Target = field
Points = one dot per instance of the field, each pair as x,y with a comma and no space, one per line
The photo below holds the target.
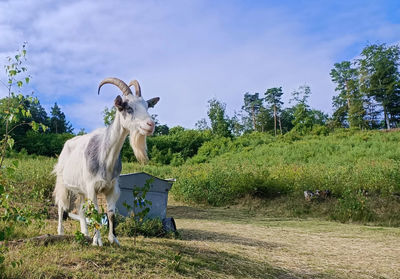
224,243
240,212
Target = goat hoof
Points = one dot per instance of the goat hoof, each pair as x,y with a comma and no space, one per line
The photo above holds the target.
113,240
97,242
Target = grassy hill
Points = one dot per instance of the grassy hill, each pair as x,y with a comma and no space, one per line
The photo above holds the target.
261,223
360,168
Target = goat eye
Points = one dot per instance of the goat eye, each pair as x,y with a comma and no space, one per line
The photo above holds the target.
129,110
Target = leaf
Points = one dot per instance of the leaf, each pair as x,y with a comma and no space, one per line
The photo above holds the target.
10,142
35,126
27,80
2,237
44,127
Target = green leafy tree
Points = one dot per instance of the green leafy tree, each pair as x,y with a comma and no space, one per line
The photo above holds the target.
252,105
108,115
237,125
58,123
349,103
81,132
273,98
37,114
287,117
380,78
302,120
202,125
10,116
159,129
13,107
220,123
265,120
372,114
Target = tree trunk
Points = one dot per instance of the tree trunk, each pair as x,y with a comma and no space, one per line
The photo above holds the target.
384,108
280,125
387,121
348,103
275,120
254,117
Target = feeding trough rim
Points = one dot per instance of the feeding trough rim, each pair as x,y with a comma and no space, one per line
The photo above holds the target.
169,180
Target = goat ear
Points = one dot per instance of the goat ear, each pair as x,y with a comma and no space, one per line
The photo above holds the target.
152,102
118,103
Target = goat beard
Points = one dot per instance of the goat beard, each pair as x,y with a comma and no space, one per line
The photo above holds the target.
139,146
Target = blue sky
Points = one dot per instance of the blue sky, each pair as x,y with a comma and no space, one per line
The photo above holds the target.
187,52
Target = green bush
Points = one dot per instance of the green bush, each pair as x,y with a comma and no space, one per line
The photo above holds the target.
221,145
45,144
148,228
218,183
353,206
348,159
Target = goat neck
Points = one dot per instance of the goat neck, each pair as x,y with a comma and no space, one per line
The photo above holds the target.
114,140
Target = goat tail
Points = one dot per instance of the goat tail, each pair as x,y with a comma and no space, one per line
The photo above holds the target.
61,194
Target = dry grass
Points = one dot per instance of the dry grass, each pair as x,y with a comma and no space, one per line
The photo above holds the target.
224,243
304,248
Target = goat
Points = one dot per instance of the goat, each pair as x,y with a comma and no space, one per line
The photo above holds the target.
91,164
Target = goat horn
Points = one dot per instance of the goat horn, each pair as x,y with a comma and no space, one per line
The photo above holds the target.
137,87
117,82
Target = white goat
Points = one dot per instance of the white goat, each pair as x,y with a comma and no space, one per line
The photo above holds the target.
91,163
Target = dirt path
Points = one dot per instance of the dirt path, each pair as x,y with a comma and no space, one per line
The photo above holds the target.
299,248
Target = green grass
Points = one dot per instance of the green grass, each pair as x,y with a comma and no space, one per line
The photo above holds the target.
262,167
221,243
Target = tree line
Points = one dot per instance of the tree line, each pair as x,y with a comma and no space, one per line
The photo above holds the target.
368,97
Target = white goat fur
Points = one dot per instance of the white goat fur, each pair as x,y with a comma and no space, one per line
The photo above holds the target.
91,164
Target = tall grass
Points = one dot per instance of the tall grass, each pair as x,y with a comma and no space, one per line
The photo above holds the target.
346,162
262,166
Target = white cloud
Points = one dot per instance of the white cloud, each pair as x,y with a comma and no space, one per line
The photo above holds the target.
186,52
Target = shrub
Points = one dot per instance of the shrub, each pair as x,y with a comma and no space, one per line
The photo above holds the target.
149,228
45,144
219,183
353,206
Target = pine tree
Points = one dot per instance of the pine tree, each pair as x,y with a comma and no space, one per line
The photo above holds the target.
58,123
252,105
273,98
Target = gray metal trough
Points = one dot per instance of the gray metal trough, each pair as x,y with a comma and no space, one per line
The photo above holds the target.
158,195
